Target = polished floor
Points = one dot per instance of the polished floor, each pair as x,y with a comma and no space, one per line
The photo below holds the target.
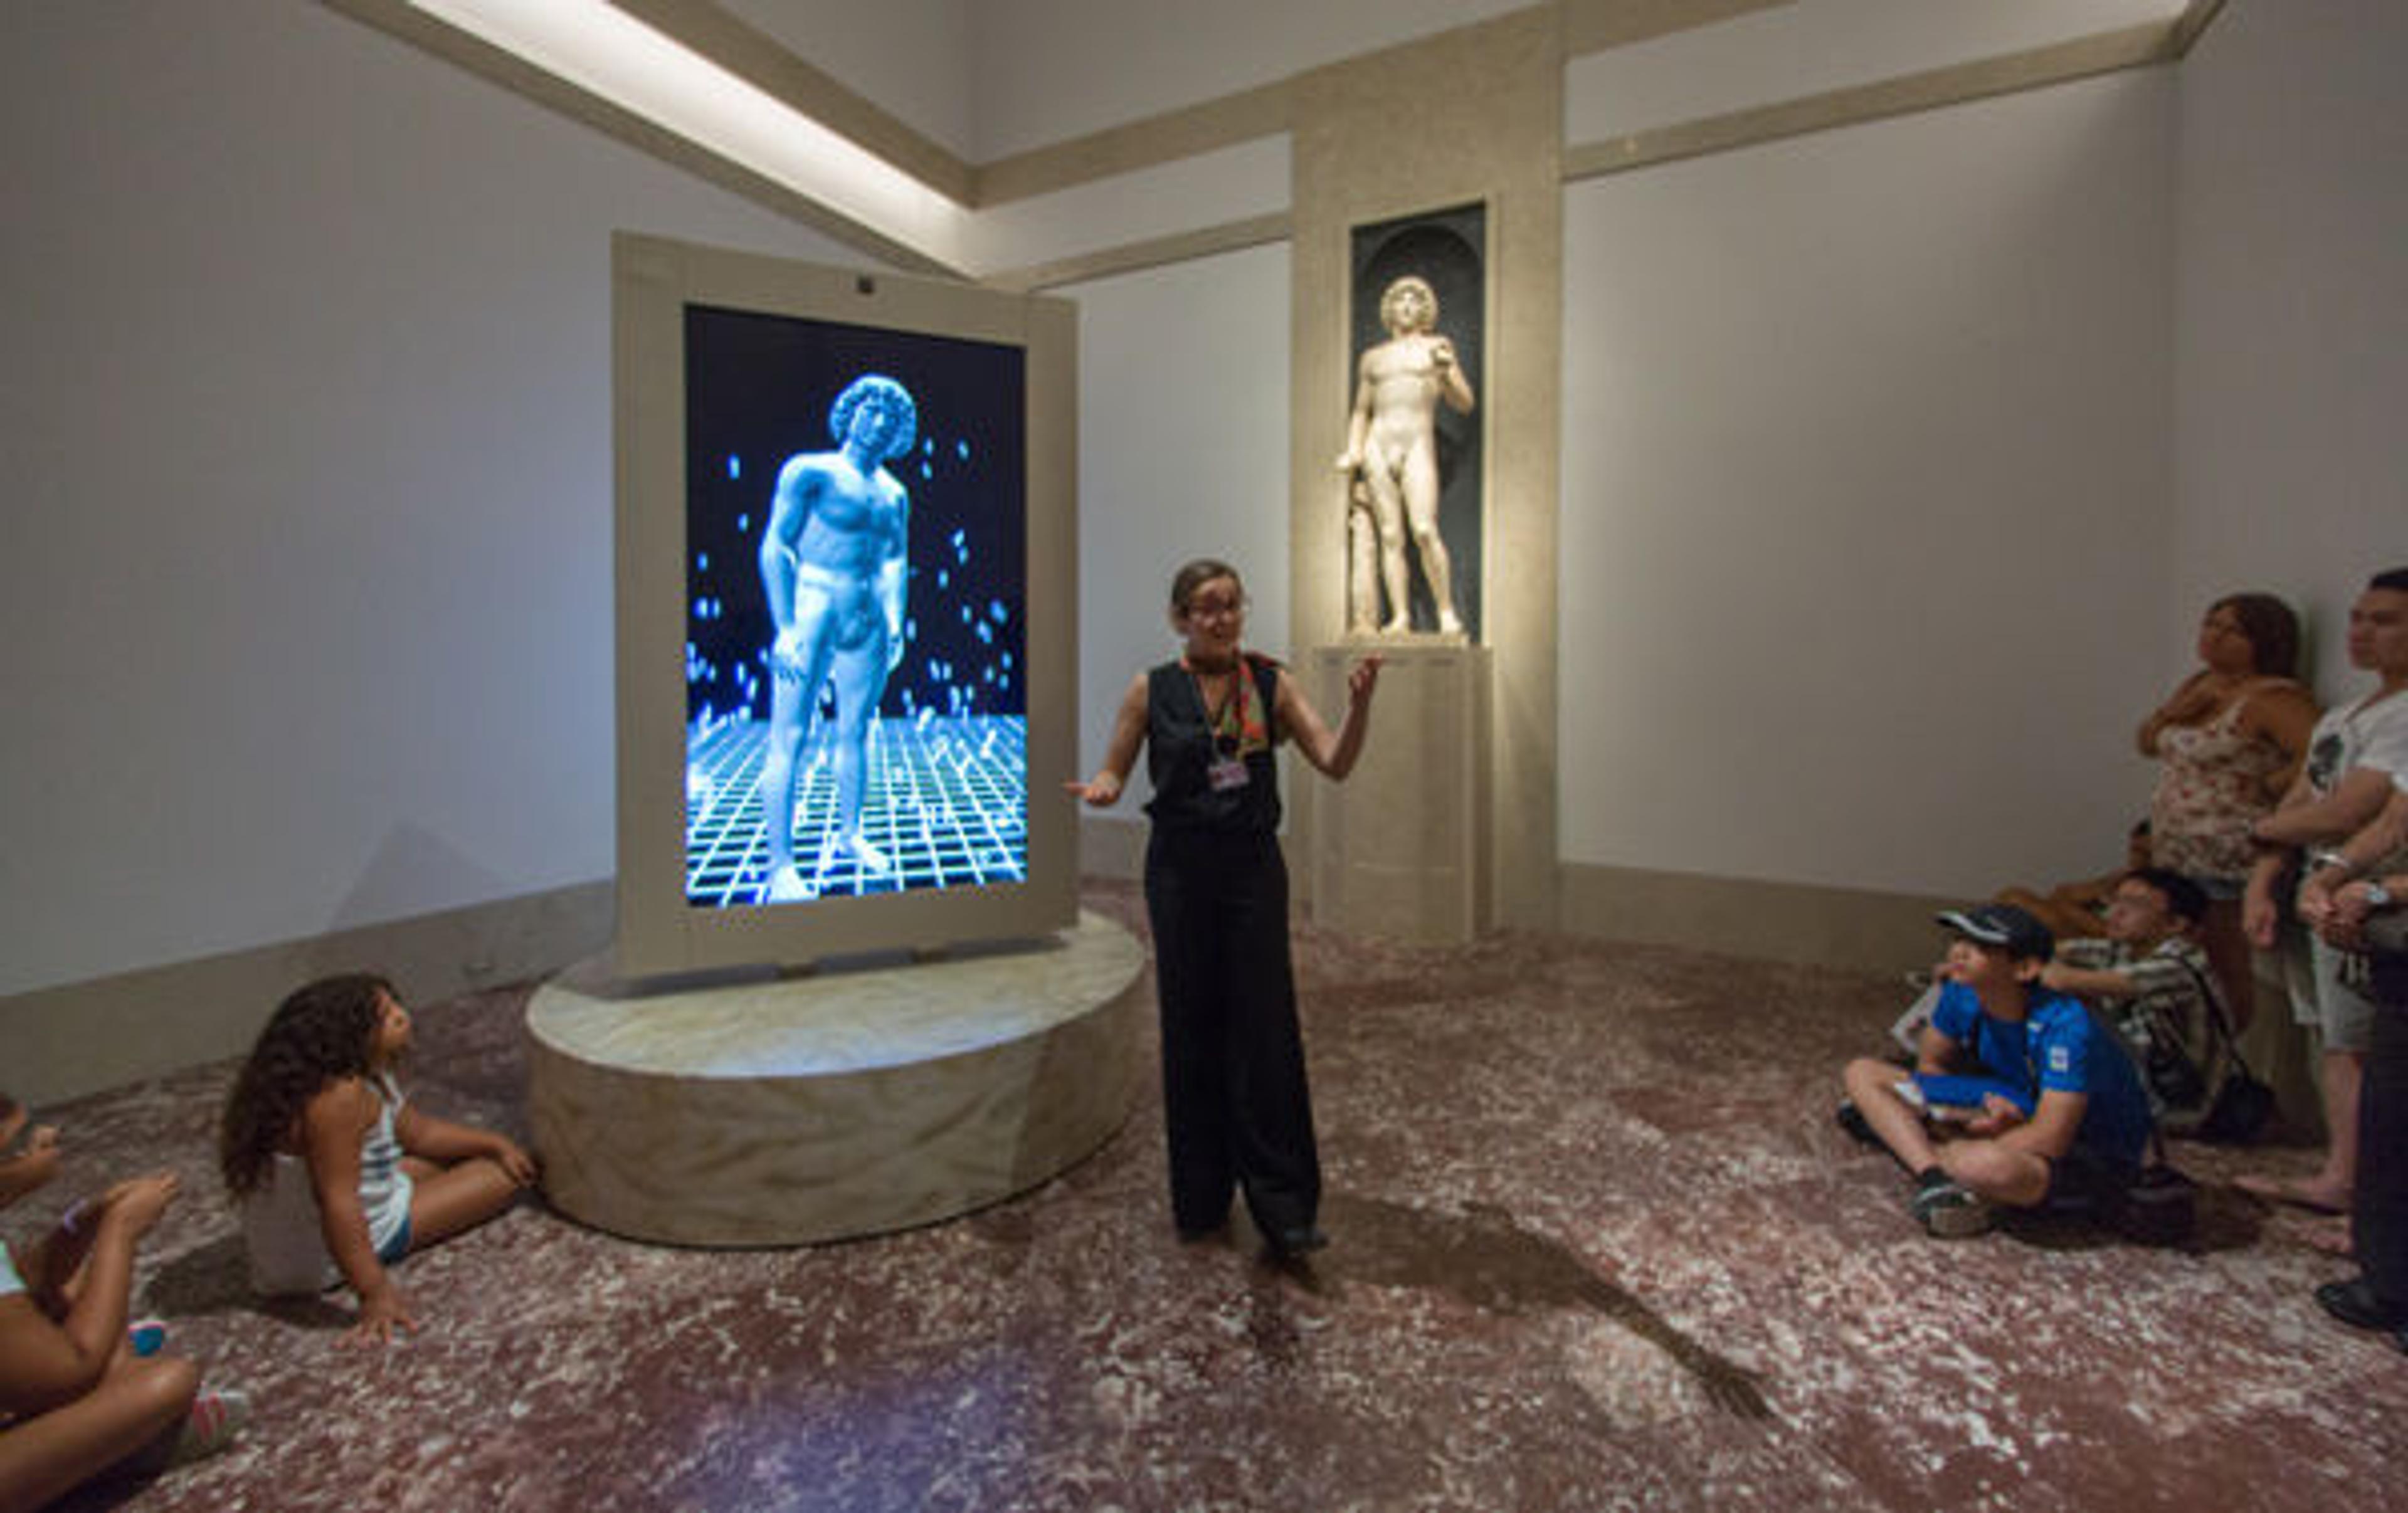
1597,1244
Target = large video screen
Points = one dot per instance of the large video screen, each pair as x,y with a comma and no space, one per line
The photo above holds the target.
847,638
856,663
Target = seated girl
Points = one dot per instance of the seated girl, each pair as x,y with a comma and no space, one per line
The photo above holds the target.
337,1174
78,1396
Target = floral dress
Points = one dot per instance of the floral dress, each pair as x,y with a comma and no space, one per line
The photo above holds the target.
2211,786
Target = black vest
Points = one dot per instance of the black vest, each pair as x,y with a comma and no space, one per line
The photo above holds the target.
1179,755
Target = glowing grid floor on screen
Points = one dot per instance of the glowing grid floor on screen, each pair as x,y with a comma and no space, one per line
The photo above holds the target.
946,801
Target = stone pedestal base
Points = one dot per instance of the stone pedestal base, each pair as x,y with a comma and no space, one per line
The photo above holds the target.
784,1112
1400,848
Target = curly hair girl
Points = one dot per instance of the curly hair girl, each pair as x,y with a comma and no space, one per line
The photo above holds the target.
338,1175
321,1033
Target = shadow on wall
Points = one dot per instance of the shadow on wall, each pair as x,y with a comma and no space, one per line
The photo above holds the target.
415,871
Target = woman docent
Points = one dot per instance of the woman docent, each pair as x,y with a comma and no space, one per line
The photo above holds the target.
1236,1105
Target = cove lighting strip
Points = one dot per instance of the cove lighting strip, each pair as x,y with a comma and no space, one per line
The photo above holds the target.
607,53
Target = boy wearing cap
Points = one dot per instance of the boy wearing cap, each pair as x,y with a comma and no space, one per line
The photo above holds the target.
2063,1121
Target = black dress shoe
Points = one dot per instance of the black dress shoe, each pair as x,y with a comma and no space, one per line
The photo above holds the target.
1302,1240
2354,1303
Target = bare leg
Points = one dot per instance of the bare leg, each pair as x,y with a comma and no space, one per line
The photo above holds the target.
2344,1074
860,680
793,699
1420,507
2331,1185
139,1405
1872,1088
1997,1172
787,715
457,1199
1390,514
2228,954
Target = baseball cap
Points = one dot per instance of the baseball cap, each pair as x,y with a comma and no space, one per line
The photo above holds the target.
2006,926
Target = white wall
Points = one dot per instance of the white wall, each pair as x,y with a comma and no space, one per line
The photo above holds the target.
305,615
1053,69
2292,309
917,59
1183,453
1191,193
1866,492
1806,47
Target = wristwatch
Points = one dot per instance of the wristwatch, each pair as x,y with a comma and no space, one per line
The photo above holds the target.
2378,896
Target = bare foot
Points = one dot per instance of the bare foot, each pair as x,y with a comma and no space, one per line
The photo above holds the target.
2309,1193
2330,1237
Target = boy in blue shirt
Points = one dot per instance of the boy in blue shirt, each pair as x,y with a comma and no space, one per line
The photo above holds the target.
2051,1111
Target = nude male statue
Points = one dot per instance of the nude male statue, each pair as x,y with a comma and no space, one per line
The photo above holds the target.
832,563
1392,455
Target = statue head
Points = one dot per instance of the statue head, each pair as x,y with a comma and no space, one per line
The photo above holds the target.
1408,304
890,401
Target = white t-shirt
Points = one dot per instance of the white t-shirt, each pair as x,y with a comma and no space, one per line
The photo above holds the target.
2371,732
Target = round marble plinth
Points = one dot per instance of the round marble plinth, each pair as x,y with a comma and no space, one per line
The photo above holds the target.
788,1111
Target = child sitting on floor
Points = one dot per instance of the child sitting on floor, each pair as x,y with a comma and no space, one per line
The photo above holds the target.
2147,972
337,1176
79,1393
2049,1113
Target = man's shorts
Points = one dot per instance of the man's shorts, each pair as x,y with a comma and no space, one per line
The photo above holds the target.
2342,1015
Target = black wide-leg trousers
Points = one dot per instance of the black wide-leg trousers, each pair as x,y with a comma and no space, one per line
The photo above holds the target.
2379,1207
1235,1102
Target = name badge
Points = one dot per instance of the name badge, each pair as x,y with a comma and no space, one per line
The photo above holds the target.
1228,773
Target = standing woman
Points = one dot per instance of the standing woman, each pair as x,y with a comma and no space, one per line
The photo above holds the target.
2229,741
1238,1112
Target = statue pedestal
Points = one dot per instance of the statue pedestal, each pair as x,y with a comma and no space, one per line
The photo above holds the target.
1400,848
789,1111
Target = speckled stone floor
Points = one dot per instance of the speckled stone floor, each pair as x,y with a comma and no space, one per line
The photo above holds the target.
1597,1244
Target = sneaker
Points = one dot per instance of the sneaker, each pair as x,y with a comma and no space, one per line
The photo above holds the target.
215,1418
1948,1210
1861,1129
146,1336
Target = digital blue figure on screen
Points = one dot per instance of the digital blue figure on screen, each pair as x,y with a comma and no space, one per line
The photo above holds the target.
834,566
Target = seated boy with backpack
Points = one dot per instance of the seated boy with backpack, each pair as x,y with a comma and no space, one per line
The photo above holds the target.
2151,978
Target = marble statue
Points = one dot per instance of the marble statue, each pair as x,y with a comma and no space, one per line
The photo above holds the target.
1391,463
832,566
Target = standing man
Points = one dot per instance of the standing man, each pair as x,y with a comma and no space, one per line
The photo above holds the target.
2369,914
1391,445
2341,787
832,566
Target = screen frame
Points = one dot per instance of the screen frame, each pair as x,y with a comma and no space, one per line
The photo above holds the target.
653,281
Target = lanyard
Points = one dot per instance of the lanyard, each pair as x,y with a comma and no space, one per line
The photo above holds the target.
1230,723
